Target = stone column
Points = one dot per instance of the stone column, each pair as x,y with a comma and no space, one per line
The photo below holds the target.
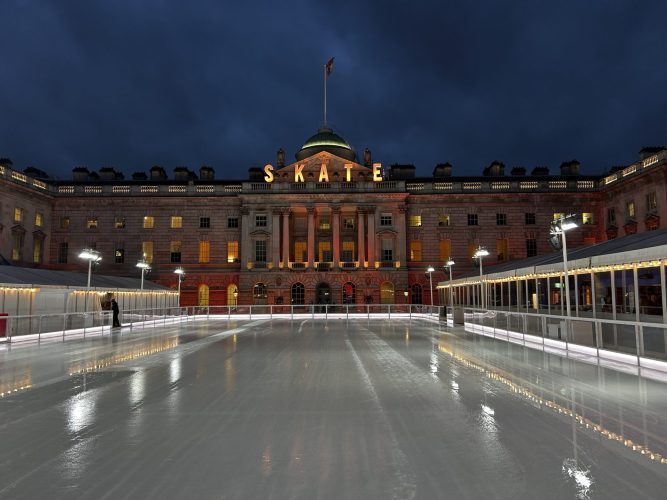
286,238
371,238
335,215
361,248
245,252
275,237
311,236
401,249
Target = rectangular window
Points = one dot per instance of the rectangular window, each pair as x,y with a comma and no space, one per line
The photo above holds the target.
91,223
232,251
651,202
415,221
631,209
325,223
347,253
119,255
39,219
611,216
17,245
63,249
232,222
37,250
300,251
387,250
502,249
204,222
348,223
260,220
260,250
443,220
18,215
558,216
501,219
531,248
587,218
147,251
64,222
445,247
204,251
176,222
416,251
149,222
530,218
119,223
472,219
385,219
324,251
175,251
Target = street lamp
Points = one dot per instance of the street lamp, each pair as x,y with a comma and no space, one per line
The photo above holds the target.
91,256
180,272
480,253
559,227
430,270
236,294
450,262
145,267
405,294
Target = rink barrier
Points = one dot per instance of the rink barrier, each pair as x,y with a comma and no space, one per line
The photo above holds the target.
642,344
62,326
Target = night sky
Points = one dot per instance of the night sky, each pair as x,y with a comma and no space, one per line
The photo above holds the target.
137,83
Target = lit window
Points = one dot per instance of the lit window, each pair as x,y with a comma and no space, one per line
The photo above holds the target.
587,218
347,253
631,209
472,219
176,222
443,220
324,251
147,251
445,250
232,251
64,222
119,255
300,251
348,223
416,251
558,216
18,215
502,249
175,250
415,221
149,222
204,222
204,251
119,223
501,219
232,222
202,295
91,223
39,219
530,218
260,220
385,220
325,223
17,245
37,250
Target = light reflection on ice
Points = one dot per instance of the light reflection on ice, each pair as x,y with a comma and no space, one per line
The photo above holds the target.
81,411
581,477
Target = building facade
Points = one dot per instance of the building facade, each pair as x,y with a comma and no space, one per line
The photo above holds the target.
327,228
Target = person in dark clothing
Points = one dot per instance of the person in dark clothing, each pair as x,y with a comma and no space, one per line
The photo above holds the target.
114,308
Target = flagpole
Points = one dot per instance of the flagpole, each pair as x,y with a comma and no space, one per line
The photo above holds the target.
325,95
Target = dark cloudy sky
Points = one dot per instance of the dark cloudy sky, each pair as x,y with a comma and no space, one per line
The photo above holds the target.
135,83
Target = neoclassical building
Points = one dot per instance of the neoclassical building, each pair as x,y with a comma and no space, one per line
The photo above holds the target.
326,228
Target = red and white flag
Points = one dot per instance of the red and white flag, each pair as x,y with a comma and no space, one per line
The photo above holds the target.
329,66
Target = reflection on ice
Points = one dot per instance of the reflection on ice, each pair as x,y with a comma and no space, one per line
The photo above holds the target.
488,410
81,410
581,477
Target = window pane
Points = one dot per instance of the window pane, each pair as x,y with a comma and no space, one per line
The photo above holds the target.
232,251
148,222
176,222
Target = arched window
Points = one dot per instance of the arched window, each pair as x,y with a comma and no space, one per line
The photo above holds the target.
349,293
387,293
417,294
259,295
232,295
202,295
298,294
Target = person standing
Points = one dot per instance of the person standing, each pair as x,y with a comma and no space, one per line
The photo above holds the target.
114,308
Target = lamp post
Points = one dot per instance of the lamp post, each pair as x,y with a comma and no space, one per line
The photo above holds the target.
480,253
450,262
144,266
236,294
559,227
405,294
91,256
430,270
180,273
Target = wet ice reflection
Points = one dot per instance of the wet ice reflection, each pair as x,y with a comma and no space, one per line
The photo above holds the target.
580,476
81,410
175,369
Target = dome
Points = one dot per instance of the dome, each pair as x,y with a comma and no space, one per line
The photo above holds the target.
326,140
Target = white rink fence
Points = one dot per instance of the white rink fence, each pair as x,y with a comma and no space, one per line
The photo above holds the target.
632,343
63,326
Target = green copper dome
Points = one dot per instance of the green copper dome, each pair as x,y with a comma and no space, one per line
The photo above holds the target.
326,140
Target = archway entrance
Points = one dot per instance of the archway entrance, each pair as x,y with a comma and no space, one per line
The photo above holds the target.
349,293
323,294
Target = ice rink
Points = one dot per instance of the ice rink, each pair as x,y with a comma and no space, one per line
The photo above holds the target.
315,409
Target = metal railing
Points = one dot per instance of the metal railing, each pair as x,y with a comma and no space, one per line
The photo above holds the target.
640,343
62,326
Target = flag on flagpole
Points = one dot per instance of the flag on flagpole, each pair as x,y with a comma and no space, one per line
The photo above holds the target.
329,66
